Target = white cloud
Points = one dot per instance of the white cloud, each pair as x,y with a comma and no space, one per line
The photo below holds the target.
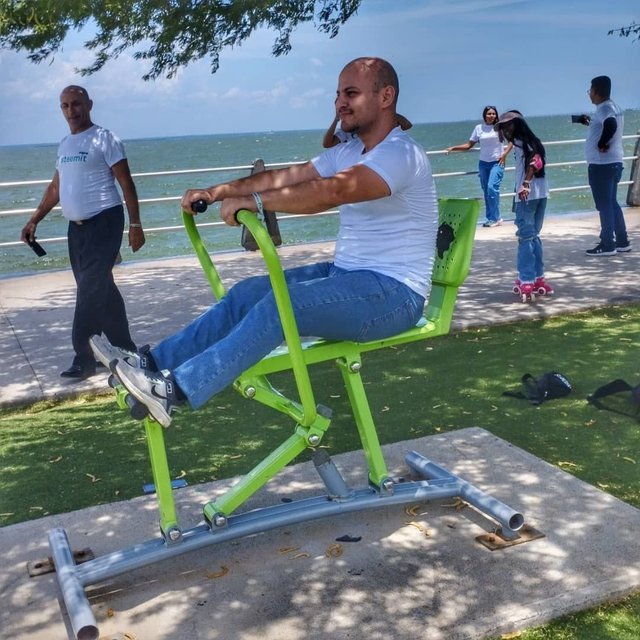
232,94
310,98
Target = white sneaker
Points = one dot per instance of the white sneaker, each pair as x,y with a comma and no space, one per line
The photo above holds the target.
106,353
157,391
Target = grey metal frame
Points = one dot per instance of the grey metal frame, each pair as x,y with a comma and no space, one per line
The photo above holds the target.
437,484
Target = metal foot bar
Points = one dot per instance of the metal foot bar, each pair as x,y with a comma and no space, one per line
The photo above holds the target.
83,622
441,484
510,520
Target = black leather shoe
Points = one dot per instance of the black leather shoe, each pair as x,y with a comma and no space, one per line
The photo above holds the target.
77,372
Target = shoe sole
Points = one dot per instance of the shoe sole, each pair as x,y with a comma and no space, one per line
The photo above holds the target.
106,353
102,350
623,249
602,254
79,377
127,376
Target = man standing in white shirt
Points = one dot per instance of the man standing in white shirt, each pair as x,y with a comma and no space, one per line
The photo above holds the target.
603,150
90,160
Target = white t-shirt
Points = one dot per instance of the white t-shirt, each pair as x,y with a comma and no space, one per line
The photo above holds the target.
490,146
604,110
539,186
395,235
87,183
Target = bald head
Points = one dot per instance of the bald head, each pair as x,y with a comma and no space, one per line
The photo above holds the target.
77,90
380,71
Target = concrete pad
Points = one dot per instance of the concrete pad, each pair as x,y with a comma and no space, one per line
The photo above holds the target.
396,582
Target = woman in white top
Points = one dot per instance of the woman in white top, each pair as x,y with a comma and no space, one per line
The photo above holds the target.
491,165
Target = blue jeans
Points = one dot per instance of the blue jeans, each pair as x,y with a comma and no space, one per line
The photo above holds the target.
529,220
490,174
243,327
603,180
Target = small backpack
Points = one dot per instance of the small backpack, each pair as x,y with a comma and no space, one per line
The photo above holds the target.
548,387
614,387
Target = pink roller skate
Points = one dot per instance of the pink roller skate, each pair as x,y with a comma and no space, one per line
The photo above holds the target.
542,287
516,286
525,290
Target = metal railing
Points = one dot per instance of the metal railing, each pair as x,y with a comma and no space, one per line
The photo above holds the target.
246,168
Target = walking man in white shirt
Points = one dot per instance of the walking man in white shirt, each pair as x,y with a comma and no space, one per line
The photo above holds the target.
90,160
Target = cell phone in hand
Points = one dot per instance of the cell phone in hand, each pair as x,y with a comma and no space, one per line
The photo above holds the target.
577,119
37,248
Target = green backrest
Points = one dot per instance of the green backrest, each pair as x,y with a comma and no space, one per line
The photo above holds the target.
458,218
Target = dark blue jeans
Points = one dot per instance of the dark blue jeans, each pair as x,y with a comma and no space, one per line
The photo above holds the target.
603,180
244,326
93,247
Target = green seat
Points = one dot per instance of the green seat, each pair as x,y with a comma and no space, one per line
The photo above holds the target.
457,224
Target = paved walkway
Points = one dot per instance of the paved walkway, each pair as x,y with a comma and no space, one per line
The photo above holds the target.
161,296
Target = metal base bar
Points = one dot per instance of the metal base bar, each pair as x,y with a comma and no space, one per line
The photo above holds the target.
438,484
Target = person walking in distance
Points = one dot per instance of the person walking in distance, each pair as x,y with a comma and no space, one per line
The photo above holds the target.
375,286
89,162
603,151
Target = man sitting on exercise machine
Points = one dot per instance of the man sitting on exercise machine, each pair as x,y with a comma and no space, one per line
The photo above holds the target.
376,286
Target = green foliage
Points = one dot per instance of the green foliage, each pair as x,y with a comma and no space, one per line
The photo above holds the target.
625,32
168,33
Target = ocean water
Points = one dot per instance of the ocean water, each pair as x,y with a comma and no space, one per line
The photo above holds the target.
37,162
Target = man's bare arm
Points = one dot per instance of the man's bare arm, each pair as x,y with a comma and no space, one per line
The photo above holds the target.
122,174
356,184
49,200
273,179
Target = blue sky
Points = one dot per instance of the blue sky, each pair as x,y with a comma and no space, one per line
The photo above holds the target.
453,57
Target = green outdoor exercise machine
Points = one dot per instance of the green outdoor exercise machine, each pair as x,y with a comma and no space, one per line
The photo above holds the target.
223,522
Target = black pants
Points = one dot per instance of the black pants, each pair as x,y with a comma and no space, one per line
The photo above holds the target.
93,247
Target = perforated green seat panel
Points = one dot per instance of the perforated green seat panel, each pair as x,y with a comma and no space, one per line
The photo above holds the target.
457,227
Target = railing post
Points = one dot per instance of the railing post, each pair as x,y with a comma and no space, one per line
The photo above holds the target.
633,194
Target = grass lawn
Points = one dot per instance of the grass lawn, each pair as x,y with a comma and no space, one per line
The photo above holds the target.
57,458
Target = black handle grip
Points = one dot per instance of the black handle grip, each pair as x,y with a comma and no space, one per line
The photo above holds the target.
199,206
